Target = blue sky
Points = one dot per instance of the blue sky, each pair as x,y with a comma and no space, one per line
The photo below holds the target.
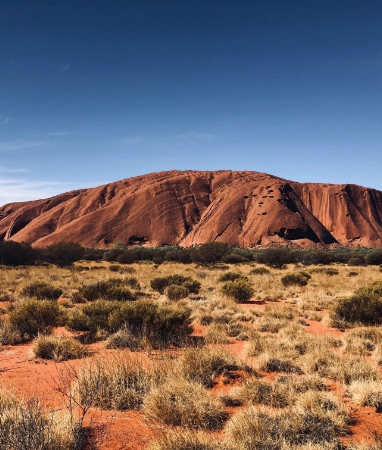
97,91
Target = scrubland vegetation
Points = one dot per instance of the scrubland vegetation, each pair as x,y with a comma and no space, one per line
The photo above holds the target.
212,348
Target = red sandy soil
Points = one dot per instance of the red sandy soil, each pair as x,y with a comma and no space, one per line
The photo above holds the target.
193,207
131,430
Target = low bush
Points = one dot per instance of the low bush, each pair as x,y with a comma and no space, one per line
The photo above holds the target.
260,271
361,307
17,254
154,324
159,284
234,258
113,289
211,252
232,276
295,279
374,258
240,290
32,317
175,292
41,290
58,348
276,257
63,253
356,261
92,317
330,271
179,402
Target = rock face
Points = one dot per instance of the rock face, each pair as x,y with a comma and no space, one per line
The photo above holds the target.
192,207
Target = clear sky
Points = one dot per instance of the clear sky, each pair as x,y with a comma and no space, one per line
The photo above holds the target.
93,91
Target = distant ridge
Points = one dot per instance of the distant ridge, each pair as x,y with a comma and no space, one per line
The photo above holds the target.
243,209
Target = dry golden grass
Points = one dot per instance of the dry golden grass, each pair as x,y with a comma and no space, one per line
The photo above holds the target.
287,405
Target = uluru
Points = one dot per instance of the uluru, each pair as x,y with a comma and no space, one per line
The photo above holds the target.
186,208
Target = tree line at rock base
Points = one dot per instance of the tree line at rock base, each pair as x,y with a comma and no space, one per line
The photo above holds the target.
66,253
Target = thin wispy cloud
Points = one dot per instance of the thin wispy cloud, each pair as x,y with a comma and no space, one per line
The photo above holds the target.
12,170
64,67
196,135
20,144
59,133
14,189
132,140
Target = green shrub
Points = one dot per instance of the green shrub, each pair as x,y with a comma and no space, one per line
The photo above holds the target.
325,270
210,252
63,253
234,258
153,324
232,276
276,257
260,271
58,348
361,307
175,292
182,256
41,290
35,316
92,317
356,261
374,258
113,289
240,290
159,284
17,254
295,279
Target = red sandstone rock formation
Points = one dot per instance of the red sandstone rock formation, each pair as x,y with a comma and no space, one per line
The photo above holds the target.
192,207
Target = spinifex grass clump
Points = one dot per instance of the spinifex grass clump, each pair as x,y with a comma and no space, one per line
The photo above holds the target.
118,382
59,348
42,291
204,365
181,402
25,425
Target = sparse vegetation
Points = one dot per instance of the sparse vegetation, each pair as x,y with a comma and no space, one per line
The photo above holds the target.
185,361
